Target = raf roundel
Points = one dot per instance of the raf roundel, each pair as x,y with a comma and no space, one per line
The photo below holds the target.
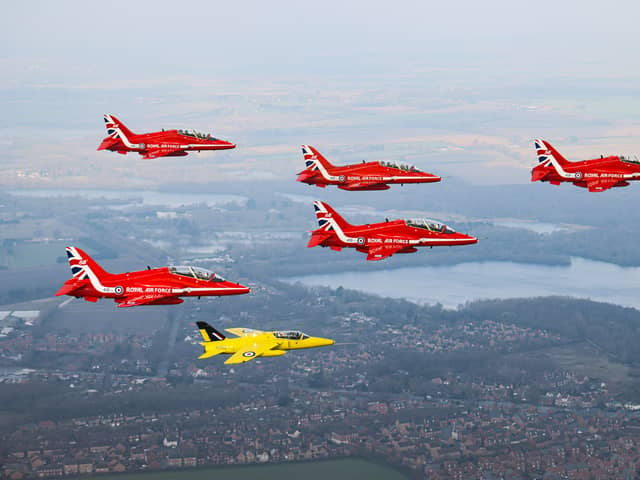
361,240
249,354
578,175
342,178
118,290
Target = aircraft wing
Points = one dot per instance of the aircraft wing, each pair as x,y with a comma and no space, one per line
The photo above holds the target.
602,184
249,352
162,152
381,252
241,332
365,186
149,299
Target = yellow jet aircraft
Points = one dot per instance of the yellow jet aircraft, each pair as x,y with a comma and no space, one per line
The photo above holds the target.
249,344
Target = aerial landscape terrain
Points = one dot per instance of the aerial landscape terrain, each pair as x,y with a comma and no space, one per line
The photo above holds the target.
515,358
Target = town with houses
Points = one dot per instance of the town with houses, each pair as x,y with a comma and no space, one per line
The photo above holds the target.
348,401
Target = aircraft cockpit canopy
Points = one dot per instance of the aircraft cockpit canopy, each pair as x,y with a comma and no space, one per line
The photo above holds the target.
195,134
196,272
430,225
629,158
405,167
290,335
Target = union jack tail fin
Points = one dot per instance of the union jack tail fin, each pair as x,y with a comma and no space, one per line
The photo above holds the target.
209,334
328,218
547,154
117,129
313,159
83,267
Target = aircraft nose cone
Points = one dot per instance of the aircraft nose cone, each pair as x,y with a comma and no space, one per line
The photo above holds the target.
326,341
237,289
467,239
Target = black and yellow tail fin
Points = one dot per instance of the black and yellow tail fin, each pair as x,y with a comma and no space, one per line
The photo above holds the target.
209,334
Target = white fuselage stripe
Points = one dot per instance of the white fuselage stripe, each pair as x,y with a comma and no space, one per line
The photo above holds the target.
95,282
191,290
347,239
336,178
136,146
324,172
124,139
564,174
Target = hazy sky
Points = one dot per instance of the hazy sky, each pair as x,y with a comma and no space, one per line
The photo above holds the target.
325,67
126,39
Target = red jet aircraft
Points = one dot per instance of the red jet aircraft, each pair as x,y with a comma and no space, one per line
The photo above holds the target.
158,286
359,176
167,143
381,240
596,175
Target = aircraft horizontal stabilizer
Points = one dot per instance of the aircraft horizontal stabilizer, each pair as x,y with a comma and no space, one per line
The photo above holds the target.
209,354
108,142
69,287
317,238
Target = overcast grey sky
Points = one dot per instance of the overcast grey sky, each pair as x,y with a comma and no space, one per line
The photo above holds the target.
126,39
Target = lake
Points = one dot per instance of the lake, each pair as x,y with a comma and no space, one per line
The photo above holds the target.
453,285
138,197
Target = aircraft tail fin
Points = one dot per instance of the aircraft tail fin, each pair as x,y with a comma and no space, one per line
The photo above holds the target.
83,267
117,129
547,154
313,159
328,218
209,334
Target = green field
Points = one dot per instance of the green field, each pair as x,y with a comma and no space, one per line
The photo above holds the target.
583,359
345,469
